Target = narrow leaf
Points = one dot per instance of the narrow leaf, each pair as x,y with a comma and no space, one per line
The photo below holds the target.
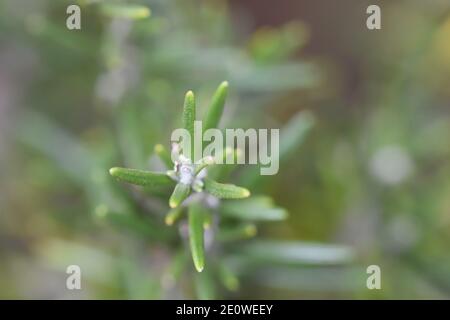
289,76
127,11
203,163
173,215
207,219
129,122
295,131
216,108
240,232
180,193
225,191
177,266
189,117
228,278
164,155
196,240
254,208
205,286
140,177
292,252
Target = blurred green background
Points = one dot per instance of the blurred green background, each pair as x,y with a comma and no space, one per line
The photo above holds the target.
367,184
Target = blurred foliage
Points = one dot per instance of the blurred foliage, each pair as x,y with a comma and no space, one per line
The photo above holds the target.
364,172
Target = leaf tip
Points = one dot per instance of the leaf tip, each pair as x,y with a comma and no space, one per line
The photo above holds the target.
159,148
190,95
172,203
169,221
146,13
114,171
199,267
251,230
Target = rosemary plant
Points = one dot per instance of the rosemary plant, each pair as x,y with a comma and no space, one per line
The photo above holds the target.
195,191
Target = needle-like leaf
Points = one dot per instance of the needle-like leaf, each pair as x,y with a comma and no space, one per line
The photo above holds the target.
203,163
196,216
164,155
141,177
228,278
216,108
225,191
244,231
189,117
254,208
173,215
177,266
295,131
180,193
205,286
127,11
207,219
295,252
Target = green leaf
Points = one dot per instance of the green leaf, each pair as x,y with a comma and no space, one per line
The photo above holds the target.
254,208
326,279
296,252
225,191
140,177
177,265
189,117
216,108
173,215
128,11
203,163
164,155
239,232
227,277
205,286
207,219
196,241
180,193
289,76
129,123
295,131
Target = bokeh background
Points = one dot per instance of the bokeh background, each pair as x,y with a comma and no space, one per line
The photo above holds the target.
365,118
